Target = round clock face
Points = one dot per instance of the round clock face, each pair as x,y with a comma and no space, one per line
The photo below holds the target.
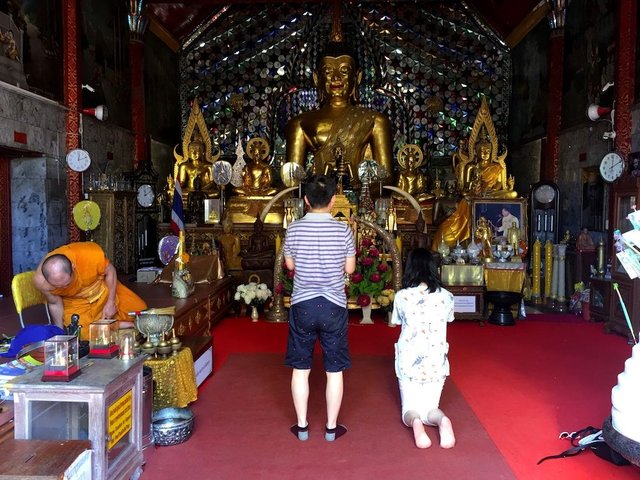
544,194
78,160
146,196
611,166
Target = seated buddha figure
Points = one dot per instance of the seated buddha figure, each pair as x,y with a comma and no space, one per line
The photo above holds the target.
411,179
259,255
195,166
339,120
256,175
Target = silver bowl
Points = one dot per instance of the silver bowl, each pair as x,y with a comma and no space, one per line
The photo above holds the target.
171,426
153,325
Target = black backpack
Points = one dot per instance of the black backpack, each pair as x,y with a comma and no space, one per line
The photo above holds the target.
591,438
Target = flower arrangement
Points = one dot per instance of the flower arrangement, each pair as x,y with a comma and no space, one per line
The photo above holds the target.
385,299
253,293
285,283
372,276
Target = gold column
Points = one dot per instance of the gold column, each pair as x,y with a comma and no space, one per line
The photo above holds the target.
537,269
548,268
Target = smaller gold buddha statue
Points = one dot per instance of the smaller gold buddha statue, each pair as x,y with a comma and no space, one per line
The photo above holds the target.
484,235
411,180
256,175
513,237
230,245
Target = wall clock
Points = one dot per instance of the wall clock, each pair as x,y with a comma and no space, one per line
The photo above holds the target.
145,196
611,166
78,160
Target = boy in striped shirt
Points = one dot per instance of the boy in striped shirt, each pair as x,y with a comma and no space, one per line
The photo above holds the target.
322,250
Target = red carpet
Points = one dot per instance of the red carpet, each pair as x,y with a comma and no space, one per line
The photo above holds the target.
242,421
525,384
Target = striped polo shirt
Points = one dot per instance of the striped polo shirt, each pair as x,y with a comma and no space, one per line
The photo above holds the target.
319,246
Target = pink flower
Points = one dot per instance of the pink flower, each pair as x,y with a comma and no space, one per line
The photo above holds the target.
291,274
375,277
356,277
383,267
388,286
374,252
367,261
279,288
364,300
366,242
358,252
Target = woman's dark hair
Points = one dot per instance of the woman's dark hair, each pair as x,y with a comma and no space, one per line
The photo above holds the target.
419,268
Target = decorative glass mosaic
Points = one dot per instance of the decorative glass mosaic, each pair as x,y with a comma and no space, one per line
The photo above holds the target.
424,64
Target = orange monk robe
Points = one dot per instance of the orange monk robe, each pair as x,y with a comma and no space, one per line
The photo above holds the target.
87,293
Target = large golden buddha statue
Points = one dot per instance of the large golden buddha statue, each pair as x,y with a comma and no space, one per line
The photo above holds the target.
483,173
196,160
256,175
339,121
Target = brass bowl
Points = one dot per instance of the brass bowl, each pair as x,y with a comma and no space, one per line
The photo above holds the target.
153,325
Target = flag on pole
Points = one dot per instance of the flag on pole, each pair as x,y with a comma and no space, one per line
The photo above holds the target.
177,214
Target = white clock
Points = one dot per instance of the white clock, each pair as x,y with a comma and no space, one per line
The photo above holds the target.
544,194
611,166
146,195
78,160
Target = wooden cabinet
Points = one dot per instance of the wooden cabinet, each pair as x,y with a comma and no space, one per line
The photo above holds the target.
116,231
625,196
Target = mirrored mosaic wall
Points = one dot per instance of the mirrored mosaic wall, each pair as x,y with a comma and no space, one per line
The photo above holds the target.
424,64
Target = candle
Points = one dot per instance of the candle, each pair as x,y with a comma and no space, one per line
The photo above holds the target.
548,268
278,243
537,267
399,245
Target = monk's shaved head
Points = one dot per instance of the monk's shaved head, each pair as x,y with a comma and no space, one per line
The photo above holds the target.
57,270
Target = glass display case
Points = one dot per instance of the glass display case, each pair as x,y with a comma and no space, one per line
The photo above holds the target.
103,339
103,405
61,358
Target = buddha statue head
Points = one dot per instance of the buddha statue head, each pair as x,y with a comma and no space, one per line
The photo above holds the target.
484,151
337,74
196,149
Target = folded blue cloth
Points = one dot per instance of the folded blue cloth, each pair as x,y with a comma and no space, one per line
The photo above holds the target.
31,334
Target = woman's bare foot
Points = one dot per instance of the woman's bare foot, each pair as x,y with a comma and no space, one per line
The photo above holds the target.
447,438
420,436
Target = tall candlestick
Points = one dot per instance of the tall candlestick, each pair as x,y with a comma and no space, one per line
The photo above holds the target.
399,245
548,268
537,268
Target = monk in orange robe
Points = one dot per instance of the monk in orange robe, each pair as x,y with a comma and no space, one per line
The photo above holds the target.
78,278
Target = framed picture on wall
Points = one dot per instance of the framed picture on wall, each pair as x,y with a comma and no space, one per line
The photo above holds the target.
501,214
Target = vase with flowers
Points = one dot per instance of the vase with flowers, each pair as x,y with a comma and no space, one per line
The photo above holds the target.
372,276
385,300
253,294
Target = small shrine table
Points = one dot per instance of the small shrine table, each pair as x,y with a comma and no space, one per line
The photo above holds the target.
504,282
175,380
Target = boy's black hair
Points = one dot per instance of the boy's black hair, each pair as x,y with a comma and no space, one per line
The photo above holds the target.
319,190
419,268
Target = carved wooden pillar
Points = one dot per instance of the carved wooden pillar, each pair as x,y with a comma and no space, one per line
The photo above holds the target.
136,60
137,26
72,100
6,256
625,74
554,105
